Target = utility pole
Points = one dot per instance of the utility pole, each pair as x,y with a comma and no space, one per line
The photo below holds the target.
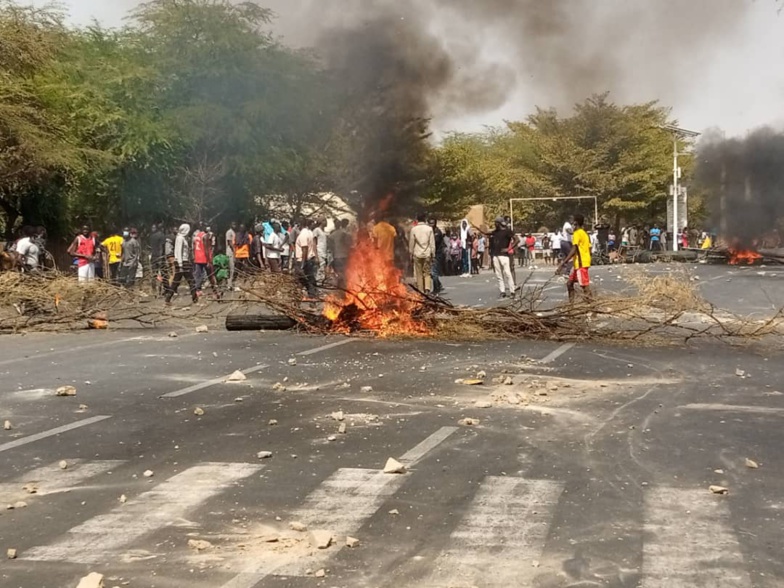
677,134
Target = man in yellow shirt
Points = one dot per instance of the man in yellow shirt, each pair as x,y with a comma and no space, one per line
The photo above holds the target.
384,236
581,255
113,246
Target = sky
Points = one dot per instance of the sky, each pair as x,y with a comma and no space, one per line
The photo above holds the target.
733,81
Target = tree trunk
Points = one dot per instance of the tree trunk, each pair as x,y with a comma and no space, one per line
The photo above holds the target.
259,322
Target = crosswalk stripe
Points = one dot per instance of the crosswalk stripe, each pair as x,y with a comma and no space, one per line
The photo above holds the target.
51,479
503,532
340,504
97,539
689,542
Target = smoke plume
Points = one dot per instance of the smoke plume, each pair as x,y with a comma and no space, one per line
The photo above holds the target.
744,179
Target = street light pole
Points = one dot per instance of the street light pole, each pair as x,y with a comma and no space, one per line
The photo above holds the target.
677,134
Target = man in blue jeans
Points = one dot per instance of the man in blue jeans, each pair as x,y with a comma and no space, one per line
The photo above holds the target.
440,257
656,238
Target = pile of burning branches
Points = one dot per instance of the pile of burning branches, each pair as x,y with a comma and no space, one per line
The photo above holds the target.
655,310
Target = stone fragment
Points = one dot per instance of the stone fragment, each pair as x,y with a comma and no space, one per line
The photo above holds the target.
273,422
123,499
338,416
320,573
508,381
198,411
83,407
173,335
751,464
320,539
393,466
719,490
63,464
542,392
470,382
740,373
342,428
202,329
332,438
199,544
91,580
8,426
468,422
30,488
297,526
394,512
483,404
293,361
264,454
20,504
366,389
278,387
481,375
352,542
237,376
11,554
149,474
65,391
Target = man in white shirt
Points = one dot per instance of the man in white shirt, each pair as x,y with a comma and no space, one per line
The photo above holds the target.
273,247
320,235
307,258
566,238
231,236
28,249
422,247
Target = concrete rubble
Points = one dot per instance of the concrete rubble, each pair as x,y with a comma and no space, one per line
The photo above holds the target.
65,391
63,464
198,411
320,539
352,542
11,554
199,544
7,425
393,466
237,376
297,526
91,580
202,329
719,490
264,454
751,464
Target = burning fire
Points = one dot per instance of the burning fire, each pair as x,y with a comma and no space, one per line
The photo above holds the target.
744,257
376,299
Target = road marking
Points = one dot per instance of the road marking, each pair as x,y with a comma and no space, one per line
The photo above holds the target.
51,479
341,504
503,533
98,539
557,353
52,432
690,542
325,347
735,408
210,383
68,350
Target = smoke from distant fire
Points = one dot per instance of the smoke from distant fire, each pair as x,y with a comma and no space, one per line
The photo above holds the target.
744,179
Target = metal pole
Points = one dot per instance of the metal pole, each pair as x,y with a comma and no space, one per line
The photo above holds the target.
511,213
675,191
595,211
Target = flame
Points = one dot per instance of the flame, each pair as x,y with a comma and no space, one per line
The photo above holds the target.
376,298
744,257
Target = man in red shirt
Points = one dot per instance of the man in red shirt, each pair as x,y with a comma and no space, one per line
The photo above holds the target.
530,249
83,249
202,260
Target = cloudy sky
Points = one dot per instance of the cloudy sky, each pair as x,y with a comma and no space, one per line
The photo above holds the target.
731,79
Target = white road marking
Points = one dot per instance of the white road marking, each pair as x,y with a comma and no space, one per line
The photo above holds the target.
51,479
325,347
52,432
98,539
689,541
557,353
503,533
38,356
340,504
735,408
210,383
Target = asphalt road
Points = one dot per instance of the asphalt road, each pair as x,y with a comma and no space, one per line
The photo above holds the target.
591,467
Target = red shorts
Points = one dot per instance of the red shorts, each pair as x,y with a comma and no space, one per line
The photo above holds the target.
580,276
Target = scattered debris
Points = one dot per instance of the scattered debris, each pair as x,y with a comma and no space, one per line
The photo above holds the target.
173,335
20,504
719,490
63,464
542,392
393,466
751,464
91,580
332,438
65,391
366,389
342,428
468,422
481,375
394,512
83,407
237,376
483,404
508,381
338,416
740,373
30,488
7,425
352,542
198,411
320,539
320,573
239,399
123,499
202,329
199,544
11,554
273,422
469,382
264,454
297,526
293,361
278,387
149,474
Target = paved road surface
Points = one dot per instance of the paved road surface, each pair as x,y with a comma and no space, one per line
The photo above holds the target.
603,481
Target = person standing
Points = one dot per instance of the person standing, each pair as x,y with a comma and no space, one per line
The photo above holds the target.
242,244
547,246
656,237
566,238
157,257
320,235
384,235
439,261
114,245
502,246
422,247
340,244
200,260
28,250
285,252
581,255
273,247
182,264
481,248
83,249
530,250
306,259
131,255
231,237
168,253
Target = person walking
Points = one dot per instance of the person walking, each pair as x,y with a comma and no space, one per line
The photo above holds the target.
231,238
183,265
340,244
502,246
422,248
273,247
157,258
83,249
131,256
439,260
307,259
201,270
581,255
322,246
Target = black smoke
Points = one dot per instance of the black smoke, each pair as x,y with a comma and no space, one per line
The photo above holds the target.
744,182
